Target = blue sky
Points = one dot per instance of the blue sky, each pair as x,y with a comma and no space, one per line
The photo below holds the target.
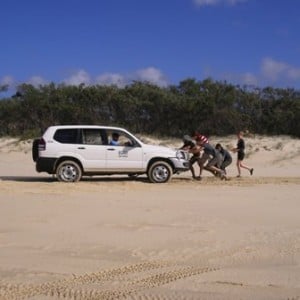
254,42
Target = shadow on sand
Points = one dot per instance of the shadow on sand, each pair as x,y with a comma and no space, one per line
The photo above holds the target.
83,179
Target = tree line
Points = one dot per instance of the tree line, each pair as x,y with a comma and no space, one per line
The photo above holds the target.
212,107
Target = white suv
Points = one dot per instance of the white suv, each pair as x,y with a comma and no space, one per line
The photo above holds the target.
71,152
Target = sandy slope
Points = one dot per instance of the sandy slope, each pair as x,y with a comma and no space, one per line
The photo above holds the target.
113,238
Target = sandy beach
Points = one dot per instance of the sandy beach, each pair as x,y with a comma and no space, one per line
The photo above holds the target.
117,238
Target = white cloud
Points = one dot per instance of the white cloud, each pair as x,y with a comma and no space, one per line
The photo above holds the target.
249,79
277,70
37,80
216,2
78,78
234,2
271,72
206,2
7,80
152,75
111,79
243,78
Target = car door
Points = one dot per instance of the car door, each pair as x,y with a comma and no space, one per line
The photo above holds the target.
92,150
126,155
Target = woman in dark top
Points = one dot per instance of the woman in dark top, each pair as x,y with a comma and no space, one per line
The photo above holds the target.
240,149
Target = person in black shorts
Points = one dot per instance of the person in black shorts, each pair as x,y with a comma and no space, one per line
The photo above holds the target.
210,155
226,157
240,150
190,146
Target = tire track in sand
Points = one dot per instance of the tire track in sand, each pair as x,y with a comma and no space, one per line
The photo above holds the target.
92,285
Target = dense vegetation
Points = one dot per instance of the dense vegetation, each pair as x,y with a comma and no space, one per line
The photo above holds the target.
214,108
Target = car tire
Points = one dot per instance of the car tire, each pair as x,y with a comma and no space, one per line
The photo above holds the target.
68,171
160,172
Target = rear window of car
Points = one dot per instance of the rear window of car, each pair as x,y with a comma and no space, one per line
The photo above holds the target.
66,136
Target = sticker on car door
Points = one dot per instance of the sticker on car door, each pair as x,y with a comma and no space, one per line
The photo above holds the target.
123,153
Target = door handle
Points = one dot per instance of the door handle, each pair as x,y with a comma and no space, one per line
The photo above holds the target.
81,148
111,149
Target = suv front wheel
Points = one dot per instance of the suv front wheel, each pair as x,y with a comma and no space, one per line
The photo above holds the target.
159,172
68,171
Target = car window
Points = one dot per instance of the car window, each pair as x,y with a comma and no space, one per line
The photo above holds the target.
94,137
120,138
66,136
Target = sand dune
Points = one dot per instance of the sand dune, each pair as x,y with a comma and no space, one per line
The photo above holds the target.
116,238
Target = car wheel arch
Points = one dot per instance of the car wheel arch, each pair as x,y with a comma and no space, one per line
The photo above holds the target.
64,158
155,159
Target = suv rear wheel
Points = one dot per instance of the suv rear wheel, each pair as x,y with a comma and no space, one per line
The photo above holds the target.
159,172
68,171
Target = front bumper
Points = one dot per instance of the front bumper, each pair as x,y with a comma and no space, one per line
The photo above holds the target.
180,165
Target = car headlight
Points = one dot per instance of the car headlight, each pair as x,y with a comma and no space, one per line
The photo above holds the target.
181,155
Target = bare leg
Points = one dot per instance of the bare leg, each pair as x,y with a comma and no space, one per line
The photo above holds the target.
241,165
213,172
217,170
193,172
202,161
201,166
238,167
